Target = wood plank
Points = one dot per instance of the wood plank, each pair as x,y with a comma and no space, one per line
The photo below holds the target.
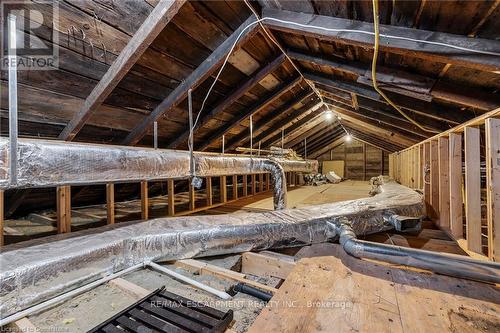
434,180
110,203
455,175
199,267
23,325
63,209
144,200
147,32
444,185
129,288
202,72
265,265
171,197
209,191
223,189
473,189
424,51
492,127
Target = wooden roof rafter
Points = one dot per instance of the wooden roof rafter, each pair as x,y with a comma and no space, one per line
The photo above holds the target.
159,17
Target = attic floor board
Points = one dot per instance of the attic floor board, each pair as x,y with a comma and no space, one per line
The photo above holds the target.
329,290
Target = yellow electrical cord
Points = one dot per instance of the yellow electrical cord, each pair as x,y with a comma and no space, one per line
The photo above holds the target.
374,71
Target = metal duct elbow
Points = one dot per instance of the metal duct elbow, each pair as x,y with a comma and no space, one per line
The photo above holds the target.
446,264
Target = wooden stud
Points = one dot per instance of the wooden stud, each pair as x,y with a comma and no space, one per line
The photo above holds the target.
473,189
144,200
261,182
63,209
223,189
171,197
191,194
444,185
426,175
492,127
235,187
455,175
434,179
110,203
2,207
245,185
268,181
253,188
209,191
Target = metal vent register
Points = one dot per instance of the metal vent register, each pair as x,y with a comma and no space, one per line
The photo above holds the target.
162,311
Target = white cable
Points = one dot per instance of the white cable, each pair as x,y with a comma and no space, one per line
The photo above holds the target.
259,20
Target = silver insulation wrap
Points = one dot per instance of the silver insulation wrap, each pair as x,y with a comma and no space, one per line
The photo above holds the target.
51,163
60,263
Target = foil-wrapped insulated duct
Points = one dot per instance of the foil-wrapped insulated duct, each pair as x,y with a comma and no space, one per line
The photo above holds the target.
57,264
45,163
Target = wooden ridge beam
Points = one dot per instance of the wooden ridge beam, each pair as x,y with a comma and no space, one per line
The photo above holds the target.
434,53
232,97
201,73
260,105
159,17
293,114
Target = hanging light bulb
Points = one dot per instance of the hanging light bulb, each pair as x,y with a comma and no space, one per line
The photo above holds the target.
348,137
328,115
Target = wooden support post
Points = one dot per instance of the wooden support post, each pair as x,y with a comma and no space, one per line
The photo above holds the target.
268,181
235,187
144,200
444,185
171,197
473,189
492,127
245,185
64,209
209,192
110,203
192,198
223,189
455,175
252,176
434,180
261,182
426,176
2,207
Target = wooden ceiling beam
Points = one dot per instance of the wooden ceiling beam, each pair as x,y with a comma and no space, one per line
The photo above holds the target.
414,85
426,109
435,53
319,124
159,17
260,105
267,120
232,97
333,144
313,144
202,72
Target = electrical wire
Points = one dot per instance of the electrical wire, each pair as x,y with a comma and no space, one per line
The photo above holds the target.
374,72
260,20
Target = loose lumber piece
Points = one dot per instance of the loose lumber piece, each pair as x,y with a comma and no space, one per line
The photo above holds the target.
492,127
163,12
473,189
129,288
265,265
110,203
329,288
199,267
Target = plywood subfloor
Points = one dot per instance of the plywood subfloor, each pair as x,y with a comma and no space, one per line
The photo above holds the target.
330,291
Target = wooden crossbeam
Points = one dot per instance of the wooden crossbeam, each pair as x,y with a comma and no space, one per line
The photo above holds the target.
163,12
202,72
435,53
240,90
260,105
